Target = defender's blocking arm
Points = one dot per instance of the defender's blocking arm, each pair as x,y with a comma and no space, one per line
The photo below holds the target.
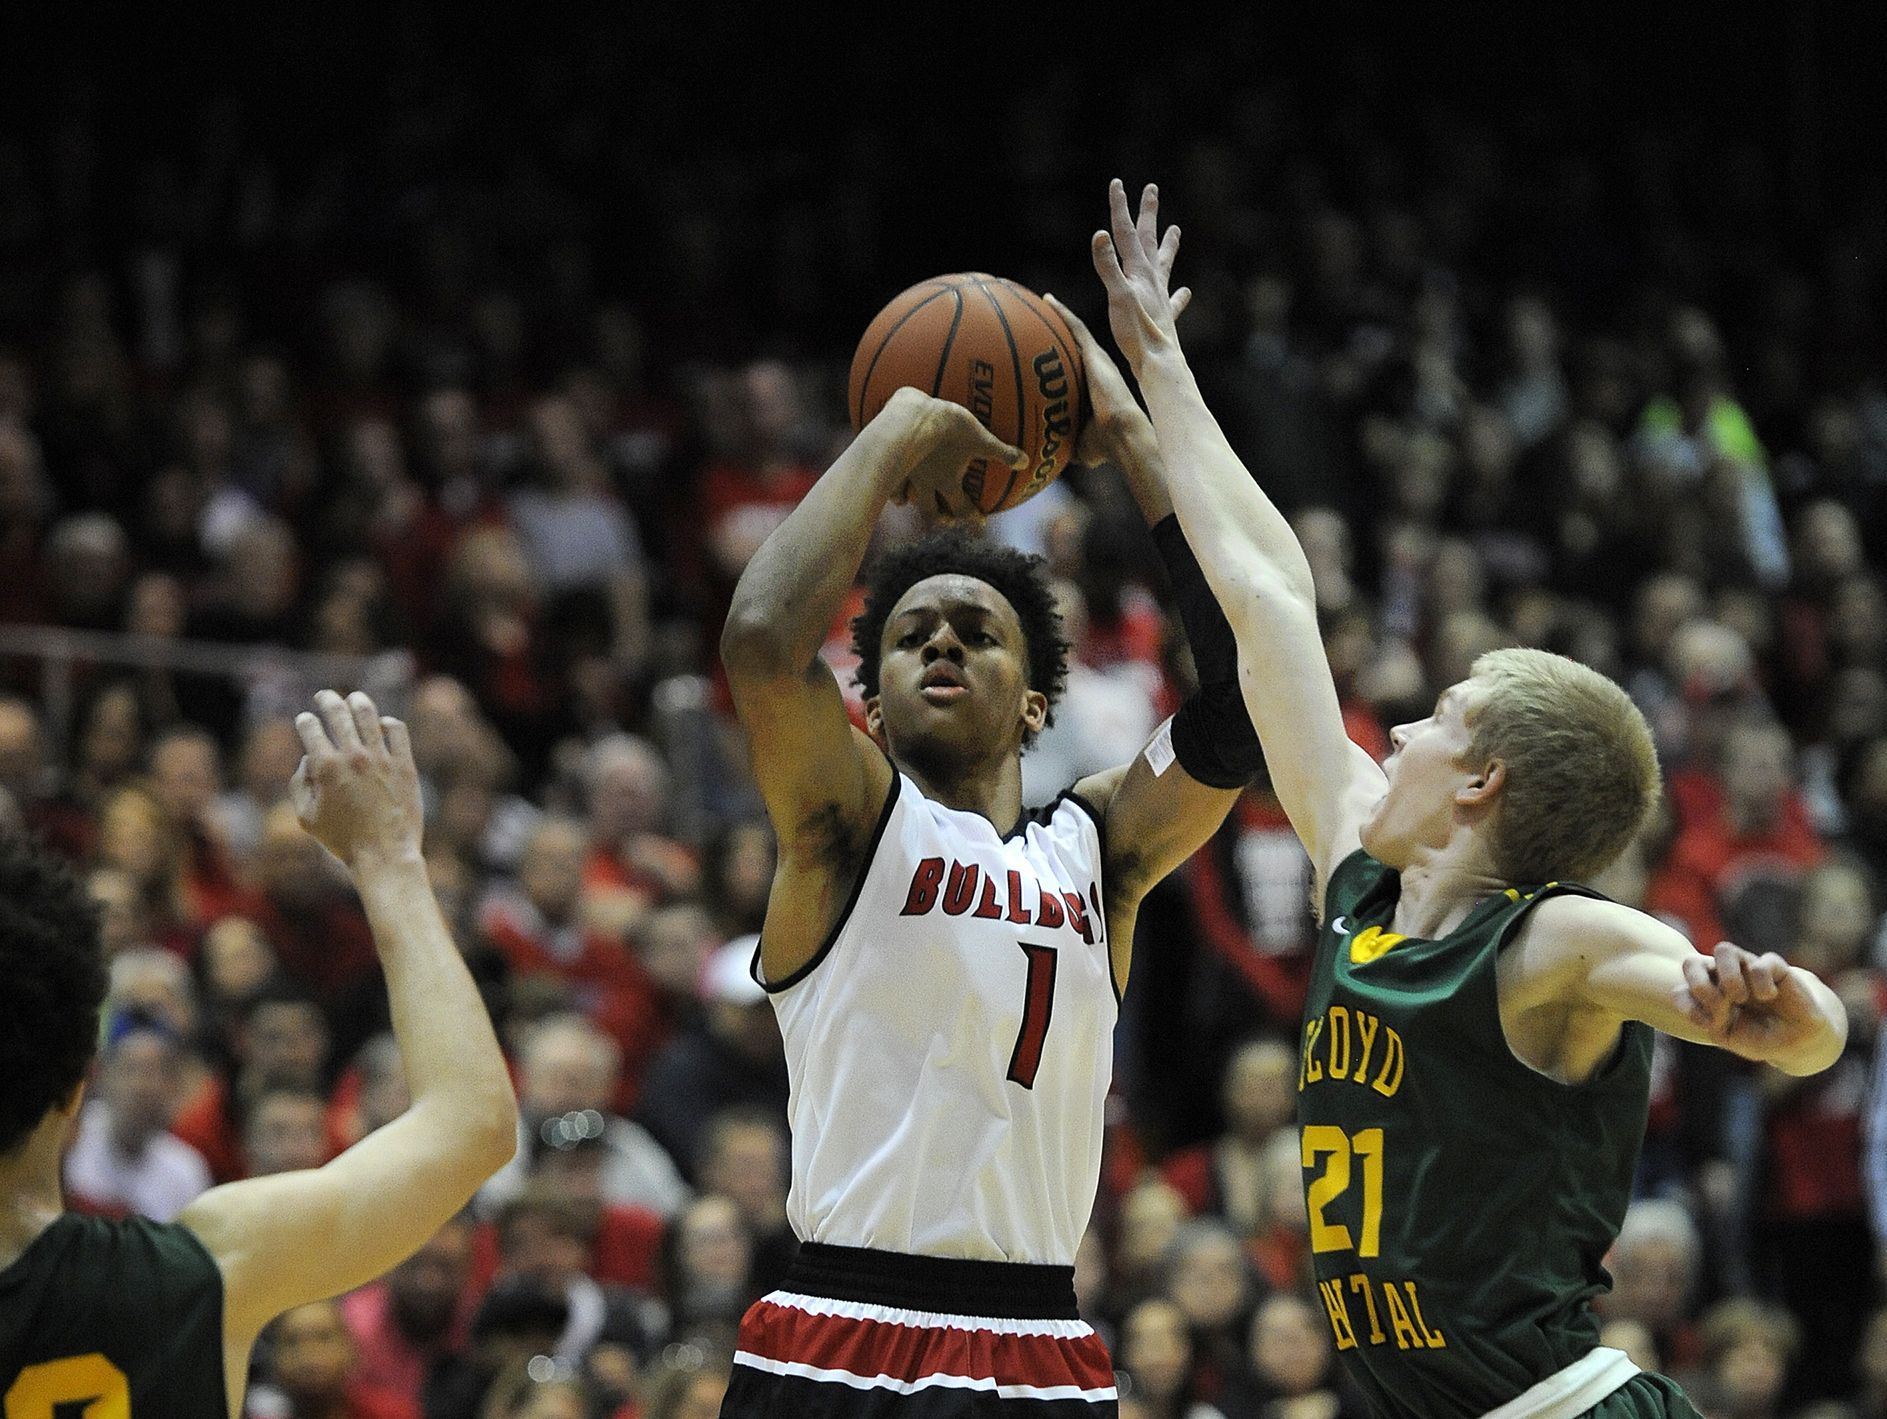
1250,556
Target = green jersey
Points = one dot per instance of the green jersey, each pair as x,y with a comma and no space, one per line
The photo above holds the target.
112,1320
1460,1202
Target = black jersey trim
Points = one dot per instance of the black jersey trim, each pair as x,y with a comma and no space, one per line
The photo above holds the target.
1043,815
851,901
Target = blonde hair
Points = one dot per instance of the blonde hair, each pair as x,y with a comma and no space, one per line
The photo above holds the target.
1582,770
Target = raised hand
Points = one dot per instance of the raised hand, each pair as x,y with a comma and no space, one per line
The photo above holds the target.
357,789
1117,428
939,441
1759,1007
1135,263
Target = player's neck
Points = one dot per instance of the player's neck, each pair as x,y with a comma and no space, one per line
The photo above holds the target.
1440,887
992,789
30,1196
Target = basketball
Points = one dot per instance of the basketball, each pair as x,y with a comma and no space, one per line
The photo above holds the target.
997,349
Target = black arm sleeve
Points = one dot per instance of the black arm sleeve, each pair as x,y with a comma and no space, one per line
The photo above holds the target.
1213,736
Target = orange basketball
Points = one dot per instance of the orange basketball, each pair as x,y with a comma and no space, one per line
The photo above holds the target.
995,348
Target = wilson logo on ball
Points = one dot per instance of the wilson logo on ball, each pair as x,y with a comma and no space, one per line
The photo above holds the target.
1051,378
997,349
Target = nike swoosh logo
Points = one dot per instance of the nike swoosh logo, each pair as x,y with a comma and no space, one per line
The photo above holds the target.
1338,927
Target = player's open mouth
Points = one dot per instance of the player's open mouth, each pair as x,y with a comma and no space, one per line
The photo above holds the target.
944,692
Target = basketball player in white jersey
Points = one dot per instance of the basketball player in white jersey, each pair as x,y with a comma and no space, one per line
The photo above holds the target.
947,967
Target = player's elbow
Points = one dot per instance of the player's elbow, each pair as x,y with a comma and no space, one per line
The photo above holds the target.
494,1138
753,640
1261,596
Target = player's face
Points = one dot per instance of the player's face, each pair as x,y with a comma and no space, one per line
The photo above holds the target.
1428,767
953,674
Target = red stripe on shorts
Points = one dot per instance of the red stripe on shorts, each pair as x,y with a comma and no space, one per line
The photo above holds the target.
909,1353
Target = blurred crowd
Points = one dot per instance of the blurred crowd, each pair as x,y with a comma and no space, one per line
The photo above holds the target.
503,381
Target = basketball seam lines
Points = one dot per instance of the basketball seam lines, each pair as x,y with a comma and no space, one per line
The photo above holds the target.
1015,359
864,385
950,339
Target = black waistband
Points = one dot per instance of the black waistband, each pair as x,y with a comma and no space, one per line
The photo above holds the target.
1014,1290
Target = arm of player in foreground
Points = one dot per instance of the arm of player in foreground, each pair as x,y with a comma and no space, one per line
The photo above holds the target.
823,781
1250,556
1609,957
285,1240
1156,818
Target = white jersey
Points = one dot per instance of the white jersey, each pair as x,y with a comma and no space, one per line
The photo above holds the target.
950,1046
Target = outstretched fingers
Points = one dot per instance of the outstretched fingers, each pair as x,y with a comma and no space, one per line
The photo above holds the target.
1147,223
366,720
1168,251
338,719
1121,224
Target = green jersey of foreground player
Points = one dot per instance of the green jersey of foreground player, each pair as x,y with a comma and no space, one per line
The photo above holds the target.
1476,1048
123,1320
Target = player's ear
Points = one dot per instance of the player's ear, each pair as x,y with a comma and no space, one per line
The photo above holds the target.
1481,790
875,720
1034,711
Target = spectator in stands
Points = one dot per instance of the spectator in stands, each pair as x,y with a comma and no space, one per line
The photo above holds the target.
517,1321
186,779
264,764
138,838
283,1039
744,1158
1292,1366
1655,1266
540,925
1812,1245
690,1385
284,1130
1151,1214
626,792
123,1160
566,1087
577,535
1257,1096
1744,846
707,1272
370,1094
523,1394
676,943
417,1315
1209,1279
29,776
1748,1348
737,874
311,1367
234,961
1156,1355
547,1240
316,928
734,1057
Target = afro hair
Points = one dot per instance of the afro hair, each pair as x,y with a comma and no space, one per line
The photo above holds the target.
955,552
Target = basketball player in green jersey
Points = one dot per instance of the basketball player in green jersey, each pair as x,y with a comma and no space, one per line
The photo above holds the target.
136,1320
1476,1045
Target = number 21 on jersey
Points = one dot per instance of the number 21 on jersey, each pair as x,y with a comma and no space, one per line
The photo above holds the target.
1322,1140
77,1387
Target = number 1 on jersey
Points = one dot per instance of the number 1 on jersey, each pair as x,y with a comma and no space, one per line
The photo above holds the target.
1037,1006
